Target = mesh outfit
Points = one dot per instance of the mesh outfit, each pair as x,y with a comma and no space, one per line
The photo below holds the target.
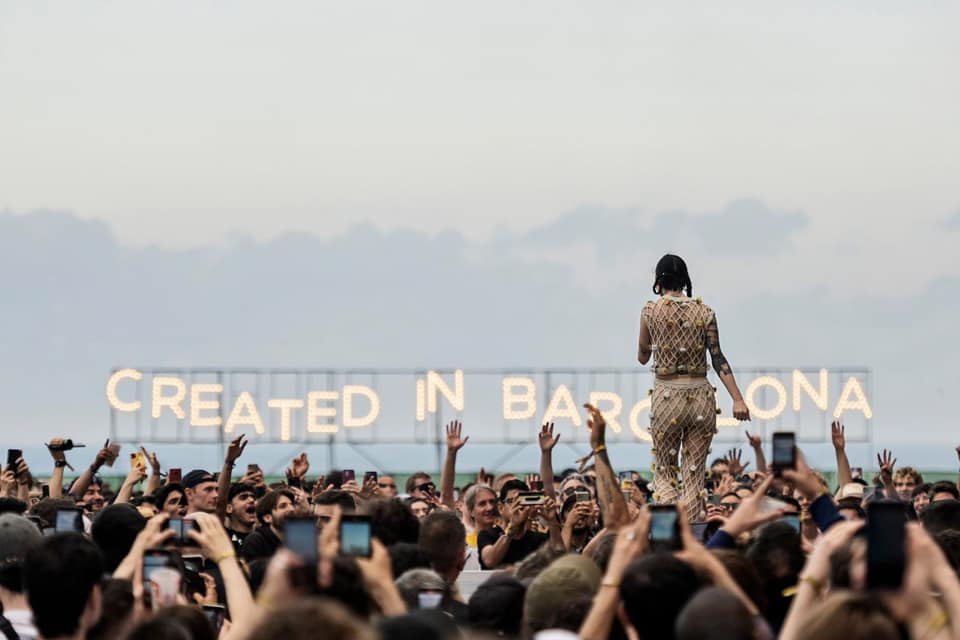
683,414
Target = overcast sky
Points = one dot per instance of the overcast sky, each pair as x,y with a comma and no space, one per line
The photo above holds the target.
802,156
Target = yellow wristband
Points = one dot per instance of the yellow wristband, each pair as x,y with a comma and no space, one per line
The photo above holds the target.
813,582
223,556
602,447
610,583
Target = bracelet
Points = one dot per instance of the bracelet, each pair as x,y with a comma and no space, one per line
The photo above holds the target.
602,447
224,556
265,601
613,584
59,464
938,622
813,582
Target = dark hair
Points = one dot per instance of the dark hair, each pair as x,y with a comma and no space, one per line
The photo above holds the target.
497,605
405,556
743,574
117,606
303,617
777,555
714,614
190,618
412,482
160,495
944,486
654,589
268,503
672,275
571,612
921,488
949,541
531,566
58,577
336,496
347,587
46,509
391,521
12,505
442,536
602,549
114,530
160,628
941,515
511,485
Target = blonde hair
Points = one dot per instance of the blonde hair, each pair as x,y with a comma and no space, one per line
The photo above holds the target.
847,615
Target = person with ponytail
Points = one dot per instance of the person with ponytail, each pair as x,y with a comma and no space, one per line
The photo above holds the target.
678,331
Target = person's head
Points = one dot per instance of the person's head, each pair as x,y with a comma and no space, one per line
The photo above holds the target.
949,541
17,537
508,496
114,530
414,582
671,275
392,521
192,619
117,612
567,577
714,614
92,498
200,489
718,467
242,505
443,536
777,555
12,505
302,618
46,509
61,578
941,515
502,479
497,606
744,492
905,480
405,556
326,502
849,615
851,509
388,486
171,500
653,590
944,490
921,496
420,508
743,574
531,566
418,484
481,504
273,508
729,502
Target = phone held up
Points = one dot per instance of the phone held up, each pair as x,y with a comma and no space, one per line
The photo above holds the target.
886,543
784,451
69,519
355,536
664,528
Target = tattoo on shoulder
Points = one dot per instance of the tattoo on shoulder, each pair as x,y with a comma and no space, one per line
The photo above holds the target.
720,363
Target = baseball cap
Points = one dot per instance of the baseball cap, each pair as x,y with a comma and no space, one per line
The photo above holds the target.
569,576
195,477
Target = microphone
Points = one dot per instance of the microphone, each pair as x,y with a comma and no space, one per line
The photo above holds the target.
66,445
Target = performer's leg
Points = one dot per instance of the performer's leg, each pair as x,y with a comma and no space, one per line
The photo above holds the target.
698,435
666,444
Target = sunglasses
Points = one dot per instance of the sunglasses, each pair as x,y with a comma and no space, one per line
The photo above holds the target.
386,485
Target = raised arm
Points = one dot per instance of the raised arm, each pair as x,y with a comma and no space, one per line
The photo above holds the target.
757,445
612,505
844,475
449,474
723,369
887,462
234,450
153,482
547,442
59,462
105,456
136,475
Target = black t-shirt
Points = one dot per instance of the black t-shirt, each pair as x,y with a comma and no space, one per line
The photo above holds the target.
519,549
262,543
237,538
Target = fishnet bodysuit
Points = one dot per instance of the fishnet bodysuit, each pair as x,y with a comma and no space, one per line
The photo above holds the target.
683,414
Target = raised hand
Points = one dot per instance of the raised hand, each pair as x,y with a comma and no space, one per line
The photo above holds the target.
837,435
455,441
749,515
58,456
597,426
299,466
734,463
548,441
153,460
107,455
887,463
235,450
754,440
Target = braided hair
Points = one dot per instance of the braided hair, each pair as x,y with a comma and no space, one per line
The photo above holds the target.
672,275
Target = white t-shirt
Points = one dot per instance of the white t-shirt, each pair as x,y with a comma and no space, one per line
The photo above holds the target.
22,622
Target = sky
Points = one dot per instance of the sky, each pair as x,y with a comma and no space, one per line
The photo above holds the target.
366,183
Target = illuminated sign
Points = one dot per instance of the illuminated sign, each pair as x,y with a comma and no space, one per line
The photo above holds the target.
400,406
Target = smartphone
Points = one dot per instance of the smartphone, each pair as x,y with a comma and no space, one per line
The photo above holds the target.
715,500
253,468
12,456
784,451
355,535
582,495
181,527
215,614
300,536
626,480
886,541
856,473
114,449
370,475
792,519
429,600
174,476
699,530
137,460
192,581
45,491
531,498
69,519
348,475
156,558
664,528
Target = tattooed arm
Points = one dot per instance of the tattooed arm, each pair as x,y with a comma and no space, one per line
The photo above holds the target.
612,504
723,369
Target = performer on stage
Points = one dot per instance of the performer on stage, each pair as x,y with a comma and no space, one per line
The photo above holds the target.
677,331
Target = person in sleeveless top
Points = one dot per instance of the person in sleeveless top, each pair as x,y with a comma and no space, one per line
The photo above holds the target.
678,331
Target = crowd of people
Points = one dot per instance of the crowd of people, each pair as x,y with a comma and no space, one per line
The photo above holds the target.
569,554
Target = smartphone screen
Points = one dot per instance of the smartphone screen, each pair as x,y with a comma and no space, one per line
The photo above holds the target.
181,527
531,498
154,559
12,456
699,530
784,451
252,468
300,536
664,528
215,613
583,496
348,475
368,476
355,536
69,520
174,476
792,519
886,538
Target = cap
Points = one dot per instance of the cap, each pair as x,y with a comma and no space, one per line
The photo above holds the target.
17,536
195,477
567,577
